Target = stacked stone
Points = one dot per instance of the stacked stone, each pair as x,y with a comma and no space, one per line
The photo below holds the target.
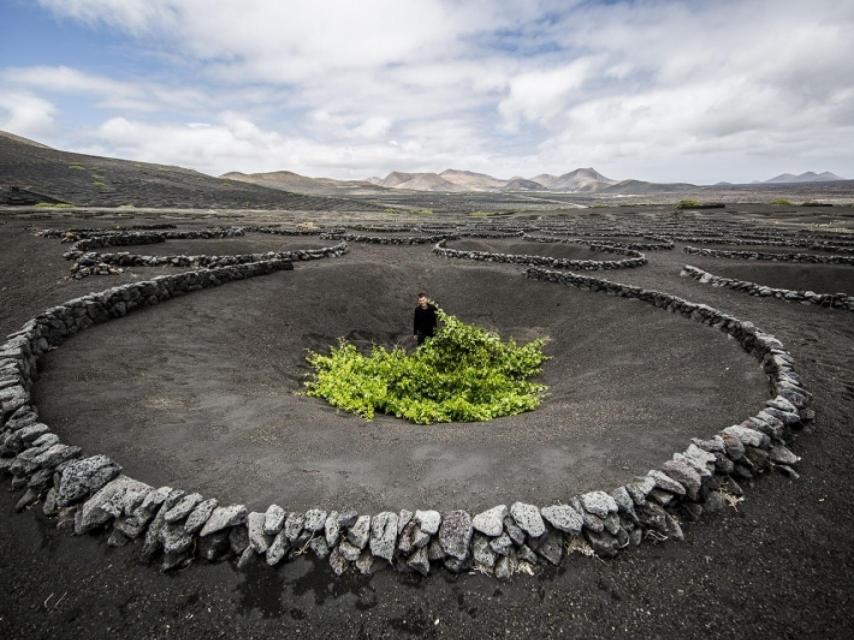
92,263
88,494
772,257
596,232
283,231
637,260
386,240
603,246
110,239
473,233
388,228
35,458
83,232
839,246
832,300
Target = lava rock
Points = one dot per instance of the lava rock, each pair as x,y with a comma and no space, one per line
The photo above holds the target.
564,518
79,478
428,521
258,540
685,475
350,552
331,529
491,521
274,519
666,483
749,437
419,562
782,455
403,519
384,535
183,508
293,525
504,568
315,520
455,534
277,549
359,533
483,554
105,504
174,538
528,518
223,517
199,515
551,548
598,503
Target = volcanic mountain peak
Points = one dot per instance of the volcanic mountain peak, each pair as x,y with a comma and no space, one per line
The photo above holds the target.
523,184
581,179
806,176
472,180
420,182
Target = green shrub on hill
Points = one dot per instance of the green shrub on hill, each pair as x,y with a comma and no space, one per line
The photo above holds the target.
463,374
688,204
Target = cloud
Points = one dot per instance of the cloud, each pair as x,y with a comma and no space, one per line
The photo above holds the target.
648,88
233,142
113,94
25,114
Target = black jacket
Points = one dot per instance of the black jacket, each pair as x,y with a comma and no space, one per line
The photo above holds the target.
425,320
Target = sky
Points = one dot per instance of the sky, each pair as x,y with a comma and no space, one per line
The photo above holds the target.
721,90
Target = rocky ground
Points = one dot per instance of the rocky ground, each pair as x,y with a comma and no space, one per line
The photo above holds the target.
775,565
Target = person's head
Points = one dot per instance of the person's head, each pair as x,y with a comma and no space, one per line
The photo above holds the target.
423,300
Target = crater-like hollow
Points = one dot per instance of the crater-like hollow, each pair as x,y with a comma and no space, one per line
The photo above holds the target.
202,392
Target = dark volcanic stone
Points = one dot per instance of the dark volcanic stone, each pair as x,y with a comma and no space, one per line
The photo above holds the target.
455,534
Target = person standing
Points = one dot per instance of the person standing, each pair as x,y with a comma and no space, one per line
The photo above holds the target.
424,323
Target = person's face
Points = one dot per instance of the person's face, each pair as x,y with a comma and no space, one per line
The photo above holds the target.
422,302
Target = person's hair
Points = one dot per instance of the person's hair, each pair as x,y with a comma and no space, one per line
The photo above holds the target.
421,294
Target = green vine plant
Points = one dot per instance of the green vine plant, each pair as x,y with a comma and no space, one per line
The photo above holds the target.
464,373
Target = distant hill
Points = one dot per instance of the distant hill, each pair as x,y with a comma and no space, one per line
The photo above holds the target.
640,187
419,182
472,181
806,176
22,140
290,181
521,184
581,180
578,181
87,180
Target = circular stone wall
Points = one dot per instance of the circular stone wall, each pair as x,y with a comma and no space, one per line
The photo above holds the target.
819,278
249,243
515,246
201,392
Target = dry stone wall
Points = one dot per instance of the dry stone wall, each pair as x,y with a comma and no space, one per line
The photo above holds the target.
88,492
88,262
635,259
833,300
810,258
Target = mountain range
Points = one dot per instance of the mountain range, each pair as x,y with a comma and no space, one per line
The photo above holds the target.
582,180
806,176
32,171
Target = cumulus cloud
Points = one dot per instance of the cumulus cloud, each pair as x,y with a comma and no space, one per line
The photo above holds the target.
25,114
657,89
234,142
110,93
